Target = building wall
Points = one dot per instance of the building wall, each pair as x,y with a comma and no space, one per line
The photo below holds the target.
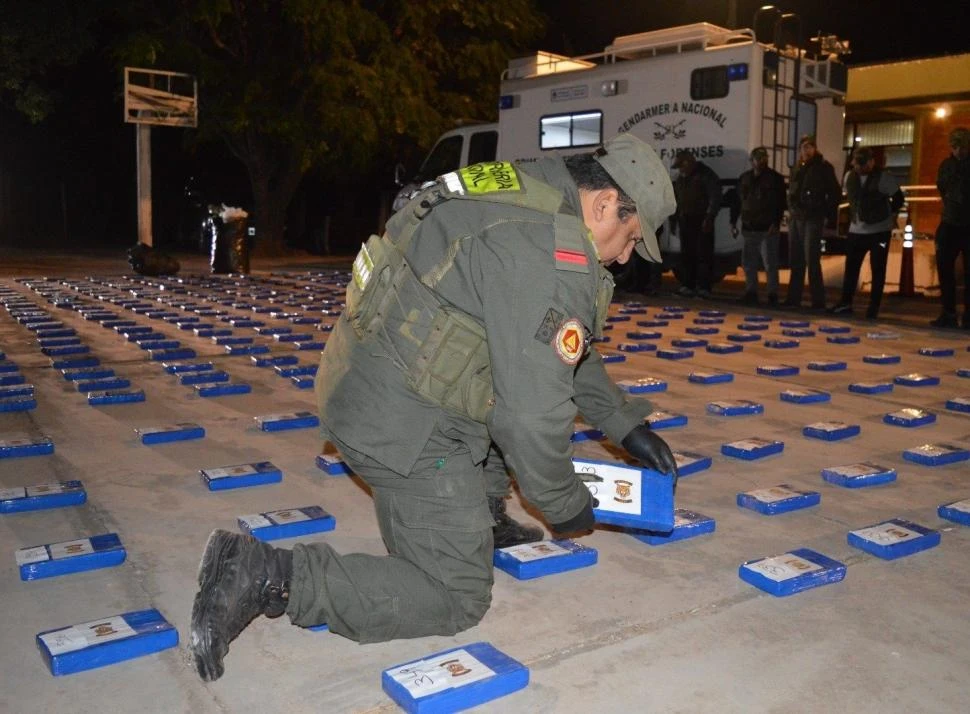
931,147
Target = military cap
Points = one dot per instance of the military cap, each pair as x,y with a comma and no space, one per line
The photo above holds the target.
758,153
960,137
862,155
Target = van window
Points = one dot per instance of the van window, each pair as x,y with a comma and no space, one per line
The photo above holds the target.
482,147
564,131
444,157
709,83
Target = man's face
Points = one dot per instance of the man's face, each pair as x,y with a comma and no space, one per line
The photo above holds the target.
863,166
759,163
614,237
959,151
806,151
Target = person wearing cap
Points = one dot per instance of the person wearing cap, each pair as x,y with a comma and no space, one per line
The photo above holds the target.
874,200
761,204
953,233
698,192
813,197
467,324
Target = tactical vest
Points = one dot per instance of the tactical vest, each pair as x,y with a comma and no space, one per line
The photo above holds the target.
867,202
443,352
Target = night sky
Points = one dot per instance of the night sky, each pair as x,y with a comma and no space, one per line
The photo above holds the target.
877,30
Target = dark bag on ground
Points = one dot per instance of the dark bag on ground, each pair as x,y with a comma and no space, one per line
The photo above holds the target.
145,260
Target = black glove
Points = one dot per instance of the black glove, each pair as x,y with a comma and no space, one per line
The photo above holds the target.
581,522
650,450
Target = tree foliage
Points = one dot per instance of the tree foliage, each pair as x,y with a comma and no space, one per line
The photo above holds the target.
295,84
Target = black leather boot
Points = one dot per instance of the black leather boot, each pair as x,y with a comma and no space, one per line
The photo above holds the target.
240,578
507,531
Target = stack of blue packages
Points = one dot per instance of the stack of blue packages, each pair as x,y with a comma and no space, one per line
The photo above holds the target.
831,430
735,407
958,404
42,496
958,512
687,524
281,422
665,420
752,448
643,385
710,377
871,387
73,556
241,475
183,431
859,475
937,454
792,572
778,499
27,446
805,396
287,523
548,557
916,379
909,417
894,538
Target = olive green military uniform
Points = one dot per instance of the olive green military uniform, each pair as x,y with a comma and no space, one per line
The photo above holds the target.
474,329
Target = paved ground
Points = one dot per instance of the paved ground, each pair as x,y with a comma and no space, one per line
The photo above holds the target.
665,629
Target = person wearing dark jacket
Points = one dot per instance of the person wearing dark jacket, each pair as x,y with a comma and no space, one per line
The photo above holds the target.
761,204
698,192
874,200
813,197
953,233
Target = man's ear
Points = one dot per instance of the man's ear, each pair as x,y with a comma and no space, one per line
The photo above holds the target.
604,200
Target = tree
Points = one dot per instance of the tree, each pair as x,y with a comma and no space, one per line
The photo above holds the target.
291,84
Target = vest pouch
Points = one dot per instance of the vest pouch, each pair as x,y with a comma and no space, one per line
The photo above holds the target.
371,275
452,367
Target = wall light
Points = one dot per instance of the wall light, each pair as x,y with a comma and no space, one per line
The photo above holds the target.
942,112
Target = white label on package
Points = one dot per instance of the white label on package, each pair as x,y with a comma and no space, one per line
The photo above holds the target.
935,449
8,494
965,401
27,556
909,413
70,548
256,520
861,469
963,506
227,471
827,425
616,487
282,417
45,489
751,444
534,551
887,534
9,443
683,518
773,494
71,639
437,674
287,515
783,567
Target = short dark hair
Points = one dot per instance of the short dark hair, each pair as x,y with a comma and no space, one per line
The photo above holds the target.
589,175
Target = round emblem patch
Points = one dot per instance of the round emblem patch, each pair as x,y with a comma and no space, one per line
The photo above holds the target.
570,341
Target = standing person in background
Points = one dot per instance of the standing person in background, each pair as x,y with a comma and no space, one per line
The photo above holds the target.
698,192
874,200
953,234
761,203
813,196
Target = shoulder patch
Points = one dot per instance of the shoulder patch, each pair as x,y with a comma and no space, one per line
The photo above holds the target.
489,177
570,341
550,323
570,257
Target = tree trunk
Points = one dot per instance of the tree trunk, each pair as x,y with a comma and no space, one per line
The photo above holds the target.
274,174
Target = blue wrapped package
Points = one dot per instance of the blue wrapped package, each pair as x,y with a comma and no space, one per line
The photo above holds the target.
708,320
58,341
916,379
454,680
270,330
723,348
842,339
712,313
883,335
303,382
21,403
221,389
159,345
909,417
782,344
42,496
25,446
247,349
895,538
871,387
805,396
72,556
753,326
189,378
610,359
835,329
882,358
668,315
287,523
665,420
8,368
274,360
797,324
16,390
674,354
778,499
618,318
231,340
87,373
937,454
752,448
690,462
257,473
168,355
964,372
183,431
689,342
831,430
68,362
207,330
757,318
66,350
642,385
584,432
332,465
798,332
958,404
710,377
958,512
281,422
792,572
115,396
778,370
859,475
735,407
187,367
636,346
827,365
643,335
307,346
103,385
702,331
937,351
106,641
687,524
535,560
628,496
